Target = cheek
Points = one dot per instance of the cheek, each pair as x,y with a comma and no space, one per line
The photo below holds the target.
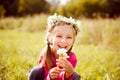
71,43
54,44
54,41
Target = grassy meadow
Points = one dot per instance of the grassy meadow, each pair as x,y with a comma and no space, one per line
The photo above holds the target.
97,47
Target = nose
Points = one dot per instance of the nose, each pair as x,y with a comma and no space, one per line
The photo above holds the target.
63,40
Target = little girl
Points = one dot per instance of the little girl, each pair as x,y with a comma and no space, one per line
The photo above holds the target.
61,32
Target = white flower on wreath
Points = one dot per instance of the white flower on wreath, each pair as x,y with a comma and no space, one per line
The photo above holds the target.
56,18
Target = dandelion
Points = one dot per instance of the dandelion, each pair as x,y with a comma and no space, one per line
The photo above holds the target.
62,53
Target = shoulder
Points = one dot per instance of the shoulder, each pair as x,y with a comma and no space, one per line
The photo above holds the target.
42,53
72,54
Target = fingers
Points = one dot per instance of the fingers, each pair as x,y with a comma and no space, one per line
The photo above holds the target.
64,60
53,76
54,72
61,62
66,65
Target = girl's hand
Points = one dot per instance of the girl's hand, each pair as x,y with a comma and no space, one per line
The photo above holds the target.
65,64
54,72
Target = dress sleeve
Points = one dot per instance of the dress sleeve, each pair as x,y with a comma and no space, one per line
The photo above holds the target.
47,76
72,59
40,59
41,56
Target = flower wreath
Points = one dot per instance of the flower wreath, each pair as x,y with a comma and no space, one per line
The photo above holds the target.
56,18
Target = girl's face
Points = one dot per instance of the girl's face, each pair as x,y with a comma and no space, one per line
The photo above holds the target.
62,37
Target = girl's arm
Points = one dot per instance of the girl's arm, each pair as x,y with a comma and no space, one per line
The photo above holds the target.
68,65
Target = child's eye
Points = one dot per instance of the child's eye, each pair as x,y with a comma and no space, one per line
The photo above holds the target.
58,36
69,37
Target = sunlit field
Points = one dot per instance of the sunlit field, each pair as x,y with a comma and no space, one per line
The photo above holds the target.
97,47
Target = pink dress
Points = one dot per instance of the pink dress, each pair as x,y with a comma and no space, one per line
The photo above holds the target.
72,59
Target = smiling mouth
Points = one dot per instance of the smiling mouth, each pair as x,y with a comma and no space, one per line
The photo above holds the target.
62,47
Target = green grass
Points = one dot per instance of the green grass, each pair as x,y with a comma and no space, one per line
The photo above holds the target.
97,47
97,63
19,52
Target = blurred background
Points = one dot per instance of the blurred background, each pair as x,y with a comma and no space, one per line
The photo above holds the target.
75,8
22,36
